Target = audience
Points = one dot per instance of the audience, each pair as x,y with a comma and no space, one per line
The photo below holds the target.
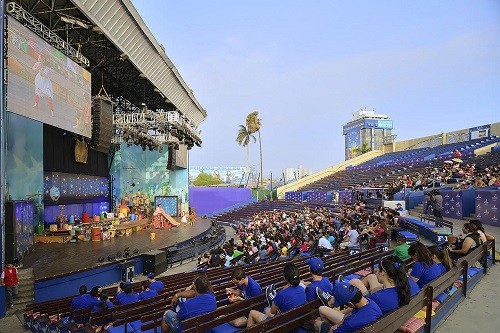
425,269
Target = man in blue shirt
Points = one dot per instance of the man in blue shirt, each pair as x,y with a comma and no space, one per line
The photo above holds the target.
246,288
364,312
129,296
84,301
316,267
156,285
147,292
203,302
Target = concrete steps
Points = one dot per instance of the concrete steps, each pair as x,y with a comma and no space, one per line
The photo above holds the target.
26,289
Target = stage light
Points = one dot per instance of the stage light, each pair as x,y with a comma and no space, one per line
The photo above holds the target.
100,259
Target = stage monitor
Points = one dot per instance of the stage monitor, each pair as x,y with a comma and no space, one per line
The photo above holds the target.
45,85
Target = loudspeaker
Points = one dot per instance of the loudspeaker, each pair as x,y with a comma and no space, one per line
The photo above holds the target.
102,124
171,158
154,262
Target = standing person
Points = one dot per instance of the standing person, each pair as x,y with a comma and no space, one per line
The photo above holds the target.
43,84
437,204
10,280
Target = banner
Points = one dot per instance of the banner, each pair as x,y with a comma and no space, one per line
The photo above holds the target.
452,204
293,196
487,203
317,196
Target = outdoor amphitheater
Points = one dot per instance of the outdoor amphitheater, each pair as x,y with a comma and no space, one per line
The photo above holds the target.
102,231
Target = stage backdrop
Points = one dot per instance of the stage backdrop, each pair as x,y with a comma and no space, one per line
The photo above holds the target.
134,169
207,200
24,162
487,204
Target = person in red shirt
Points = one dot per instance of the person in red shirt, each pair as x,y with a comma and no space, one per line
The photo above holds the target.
10,281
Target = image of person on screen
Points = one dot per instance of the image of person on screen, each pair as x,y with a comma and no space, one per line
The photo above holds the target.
83,115
43,84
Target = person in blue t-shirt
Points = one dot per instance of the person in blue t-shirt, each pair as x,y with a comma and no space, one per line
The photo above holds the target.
316,267
128,295
362,311
147,292
441,257
246,288
104,304
156,285
119,292
425,269
202,302
290,297
84,301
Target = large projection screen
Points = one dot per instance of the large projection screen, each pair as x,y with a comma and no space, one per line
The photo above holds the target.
45,85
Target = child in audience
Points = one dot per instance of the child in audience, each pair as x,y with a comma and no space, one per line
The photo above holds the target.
441,257
246,288
290,297
316,267
147,292
425,269
129,295
360,311
401,250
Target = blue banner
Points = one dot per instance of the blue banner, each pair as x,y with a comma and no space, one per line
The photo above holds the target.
487,203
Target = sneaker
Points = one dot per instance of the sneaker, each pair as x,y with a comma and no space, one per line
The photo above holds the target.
270,294
323,296
340,278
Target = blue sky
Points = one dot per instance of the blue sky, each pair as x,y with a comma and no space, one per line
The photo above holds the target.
431,66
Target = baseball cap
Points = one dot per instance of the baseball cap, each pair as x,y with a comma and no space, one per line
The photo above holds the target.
399,204
343,293
316,264
151,275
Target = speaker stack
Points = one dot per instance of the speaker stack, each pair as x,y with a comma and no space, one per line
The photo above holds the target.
102,124
154,262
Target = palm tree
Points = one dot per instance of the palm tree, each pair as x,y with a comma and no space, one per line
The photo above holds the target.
243,139
254,124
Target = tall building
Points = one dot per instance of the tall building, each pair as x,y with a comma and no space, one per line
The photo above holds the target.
364,132
292,174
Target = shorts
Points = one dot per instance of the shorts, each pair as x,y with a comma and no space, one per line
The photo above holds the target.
325,327
172,321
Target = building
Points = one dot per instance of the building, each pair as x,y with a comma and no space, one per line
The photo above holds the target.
366,131
292,174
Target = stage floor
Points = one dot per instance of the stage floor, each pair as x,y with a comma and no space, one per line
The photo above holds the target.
50,260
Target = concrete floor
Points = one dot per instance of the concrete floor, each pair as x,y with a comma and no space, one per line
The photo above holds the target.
479,312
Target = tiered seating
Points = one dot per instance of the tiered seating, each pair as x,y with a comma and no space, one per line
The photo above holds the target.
385,168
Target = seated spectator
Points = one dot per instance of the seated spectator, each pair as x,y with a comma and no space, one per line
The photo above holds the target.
202,302
316,267
104,304
350,238
290,297
425,269
471,241
324,244
84,301
119,291
483,236
246,288
399,226
441,257
129,295
156,285
362,311
401,249
147,292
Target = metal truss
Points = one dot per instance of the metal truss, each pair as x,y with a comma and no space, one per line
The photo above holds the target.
45,33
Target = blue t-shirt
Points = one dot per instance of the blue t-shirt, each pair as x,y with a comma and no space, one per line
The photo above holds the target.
197,305
290,298
414,288
442,268
360,318
128,298
157,285
148,294
84,301
324,284
251,290
98,307
424,273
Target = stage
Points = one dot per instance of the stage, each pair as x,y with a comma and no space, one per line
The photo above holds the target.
54,260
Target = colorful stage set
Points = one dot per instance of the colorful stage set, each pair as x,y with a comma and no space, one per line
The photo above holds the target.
89,183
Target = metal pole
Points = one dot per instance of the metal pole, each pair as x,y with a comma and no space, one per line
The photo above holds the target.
3,128
271,186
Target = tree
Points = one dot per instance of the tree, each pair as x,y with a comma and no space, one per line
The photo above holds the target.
254,123
243,139
365,148
205,179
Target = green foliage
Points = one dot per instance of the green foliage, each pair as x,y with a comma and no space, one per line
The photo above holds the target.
244,136
205,179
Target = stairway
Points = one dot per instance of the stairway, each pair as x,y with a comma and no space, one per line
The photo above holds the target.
26,290
416,211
